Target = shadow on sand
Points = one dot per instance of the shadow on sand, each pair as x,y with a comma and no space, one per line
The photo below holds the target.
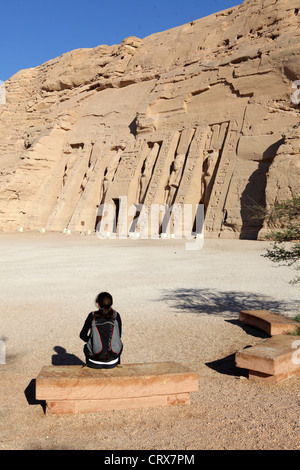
227,304
227,366
61,358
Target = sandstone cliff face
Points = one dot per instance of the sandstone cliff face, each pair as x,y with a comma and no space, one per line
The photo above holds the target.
201,113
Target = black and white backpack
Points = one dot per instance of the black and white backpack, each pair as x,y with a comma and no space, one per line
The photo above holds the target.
105,342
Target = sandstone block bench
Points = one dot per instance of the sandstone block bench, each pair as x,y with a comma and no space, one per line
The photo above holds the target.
273,360
77,389
270,322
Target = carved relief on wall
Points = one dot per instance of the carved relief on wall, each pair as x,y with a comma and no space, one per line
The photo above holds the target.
74,172
147,170
177,166
74,151
111,170
212,153
174,179
146,123
160,170
129,162
210,159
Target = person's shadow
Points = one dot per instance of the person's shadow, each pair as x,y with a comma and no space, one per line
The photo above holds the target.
62,358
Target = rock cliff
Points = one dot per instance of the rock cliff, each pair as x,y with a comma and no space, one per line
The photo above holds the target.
202,113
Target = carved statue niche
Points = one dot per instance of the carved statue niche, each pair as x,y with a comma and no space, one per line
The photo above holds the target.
111,170
74,151
209,164
174,179
91,163
147,172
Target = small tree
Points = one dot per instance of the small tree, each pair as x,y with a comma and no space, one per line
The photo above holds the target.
285,218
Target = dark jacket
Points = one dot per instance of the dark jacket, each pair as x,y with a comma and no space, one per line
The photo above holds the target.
85,335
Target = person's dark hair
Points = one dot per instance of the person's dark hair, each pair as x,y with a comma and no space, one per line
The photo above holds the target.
105,302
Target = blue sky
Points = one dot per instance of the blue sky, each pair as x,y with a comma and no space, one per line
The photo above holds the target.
33,32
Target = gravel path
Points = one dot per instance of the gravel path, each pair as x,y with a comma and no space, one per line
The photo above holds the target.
175,305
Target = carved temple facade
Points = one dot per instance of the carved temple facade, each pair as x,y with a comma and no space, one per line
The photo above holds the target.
201,114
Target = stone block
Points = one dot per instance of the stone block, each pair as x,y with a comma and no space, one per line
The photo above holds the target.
273,360
270,322
74,389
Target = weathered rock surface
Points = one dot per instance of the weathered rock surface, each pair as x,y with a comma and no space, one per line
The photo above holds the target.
202,113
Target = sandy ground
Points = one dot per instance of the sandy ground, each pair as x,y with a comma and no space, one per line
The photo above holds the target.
176,305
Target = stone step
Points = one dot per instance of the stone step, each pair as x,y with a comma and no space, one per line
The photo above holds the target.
273,360
270,322
92,406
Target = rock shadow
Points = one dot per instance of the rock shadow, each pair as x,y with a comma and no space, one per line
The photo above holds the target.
253,198
227,366
250,330
30,394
